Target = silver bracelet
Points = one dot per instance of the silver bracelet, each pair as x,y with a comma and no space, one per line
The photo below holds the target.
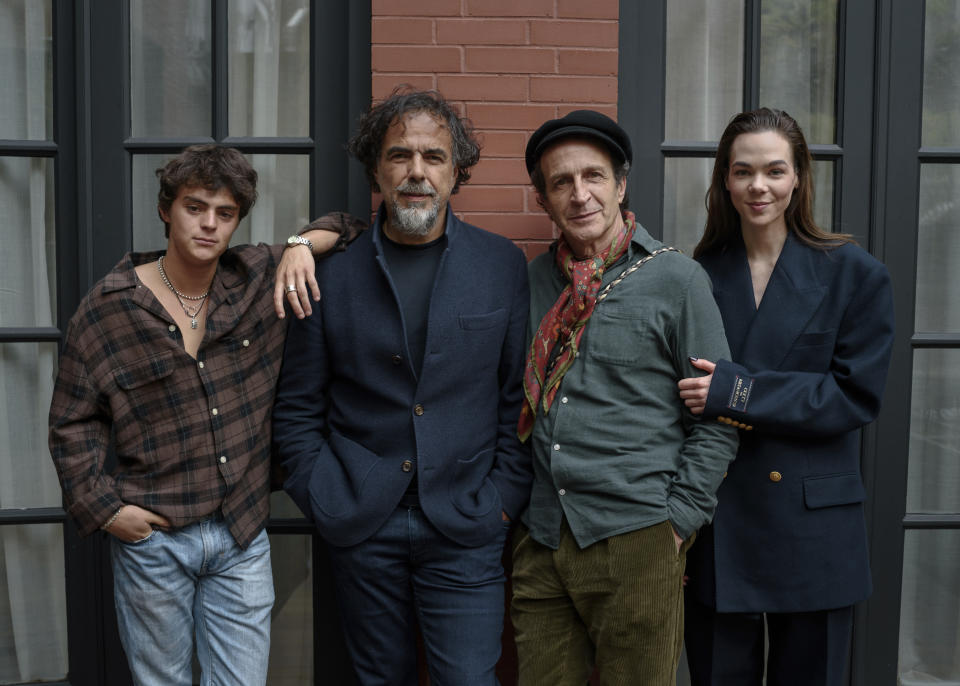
110,521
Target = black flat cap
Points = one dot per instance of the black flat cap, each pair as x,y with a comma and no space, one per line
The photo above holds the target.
580,123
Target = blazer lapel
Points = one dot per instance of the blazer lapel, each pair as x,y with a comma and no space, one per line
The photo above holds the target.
792,297
733,291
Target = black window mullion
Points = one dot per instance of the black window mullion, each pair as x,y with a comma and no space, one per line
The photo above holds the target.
221,70
642,70
751,54
895,182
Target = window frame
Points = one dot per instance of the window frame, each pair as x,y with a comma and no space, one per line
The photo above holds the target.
92,152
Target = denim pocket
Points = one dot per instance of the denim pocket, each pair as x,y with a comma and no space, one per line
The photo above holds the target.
140,541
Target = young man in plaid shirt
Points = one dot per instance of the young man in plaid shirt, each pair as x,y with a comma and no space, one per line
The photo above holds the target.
176,355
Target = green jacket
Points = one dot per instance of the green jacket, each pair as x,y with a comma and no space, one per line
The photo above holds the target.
618,450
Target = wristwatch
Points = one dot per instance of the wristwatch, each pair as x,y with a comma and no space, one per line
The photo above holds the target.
299,240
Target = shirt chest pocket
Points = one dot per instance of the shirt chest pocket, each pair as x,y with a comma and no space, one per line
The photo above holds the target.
619,335
143,386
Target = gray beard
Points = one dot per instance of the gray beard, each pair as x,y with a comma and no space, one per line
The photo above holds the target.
415,222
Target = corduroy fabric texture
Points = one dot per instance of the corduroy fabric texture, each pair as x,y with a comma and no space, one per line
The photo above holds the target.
616,605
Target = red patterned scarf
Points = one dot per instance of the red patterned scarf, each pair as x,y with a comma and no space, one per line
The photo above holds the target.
565,322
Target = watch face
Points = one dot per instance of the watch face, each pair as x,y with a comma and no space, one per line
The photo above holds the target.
292,240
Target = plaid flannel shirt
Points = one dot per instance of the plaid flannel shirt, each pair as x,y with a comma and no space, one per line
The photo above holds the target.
191,436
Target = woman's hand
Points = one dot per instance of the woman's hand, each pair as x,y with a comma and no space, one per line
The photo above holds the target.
694,389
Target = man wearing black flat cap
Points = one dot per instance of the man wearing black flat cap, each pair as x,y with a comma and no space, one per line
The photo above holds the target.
624,473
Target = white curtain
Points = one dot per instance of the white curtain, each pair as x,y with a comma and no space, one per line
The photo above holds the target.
269,96
703,89
32,598
269,72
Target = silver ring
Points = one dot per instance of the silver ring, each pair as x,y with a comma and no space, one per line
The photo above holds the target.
291,288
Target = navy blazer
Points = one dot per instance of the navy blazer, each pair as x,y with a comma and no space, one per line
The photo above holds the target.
353,422
809,370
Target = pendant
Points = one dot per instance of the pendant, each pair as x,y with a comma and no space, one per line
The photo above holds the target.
193,323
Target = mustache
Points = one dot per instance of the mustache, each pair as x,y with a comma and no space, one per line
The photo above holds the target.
422,188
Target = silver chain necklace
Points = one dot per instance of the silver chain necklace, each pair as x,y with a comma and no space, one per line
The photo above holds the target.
190,311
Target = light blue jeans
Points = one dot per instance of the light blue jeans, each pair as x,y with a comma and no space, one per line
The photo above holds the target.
196,580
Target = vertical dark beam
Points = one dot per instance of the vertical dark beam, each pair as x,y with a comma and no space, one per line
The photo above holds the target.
69,123
71,78
339,91
220,52
751,54
852,212
642,70
360,87
899,91
109,168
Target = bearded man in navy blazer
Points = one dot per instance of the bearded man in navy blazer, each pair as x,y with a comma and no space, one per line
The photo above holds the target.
397,408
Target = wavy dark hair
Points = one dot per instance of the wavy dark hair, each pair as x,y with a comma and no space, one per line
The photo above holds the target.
723,222
367,143
212,167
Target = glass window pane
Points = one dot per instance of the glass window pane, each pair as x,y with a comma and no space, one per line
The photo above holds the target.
148,231
26,38
798,63
704,79
291,633
685,184
938,250
282,208
823,195
27,372
930,609
933,477
941,74
269,67
170,68
282,507
283,201
33,618
28,279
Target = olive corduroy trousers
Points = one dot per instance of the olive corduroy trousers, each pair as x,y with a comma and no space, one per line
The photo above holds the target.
616,605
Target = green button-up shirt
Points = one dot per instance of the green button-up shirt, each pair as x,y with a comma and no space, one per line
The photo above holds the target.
618,450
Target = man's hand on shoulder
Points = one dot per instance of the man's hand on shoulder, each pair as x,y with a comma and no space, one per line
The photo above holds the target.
296,282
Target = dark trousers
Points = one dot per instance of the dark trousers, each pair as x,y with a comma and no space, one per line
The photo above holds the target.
406,574
805,648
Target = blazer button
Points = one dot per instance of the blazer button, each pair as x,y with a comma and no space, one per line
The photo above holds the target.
418,410
396,359
775,476
406,465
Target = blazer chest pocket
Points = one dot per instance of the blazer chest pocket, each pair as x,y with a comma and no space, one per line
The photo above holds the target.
812,339
833,489
481,322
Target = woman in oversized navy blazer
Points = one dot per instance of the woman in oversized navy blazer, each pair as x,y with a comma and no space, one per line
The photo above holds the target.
809,319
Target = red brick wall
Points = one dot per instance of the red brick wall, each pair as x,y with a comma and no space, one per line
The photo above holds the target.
509,65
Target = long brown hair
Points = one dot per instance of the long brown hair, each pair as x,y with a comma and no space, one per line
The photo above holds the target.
723,222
